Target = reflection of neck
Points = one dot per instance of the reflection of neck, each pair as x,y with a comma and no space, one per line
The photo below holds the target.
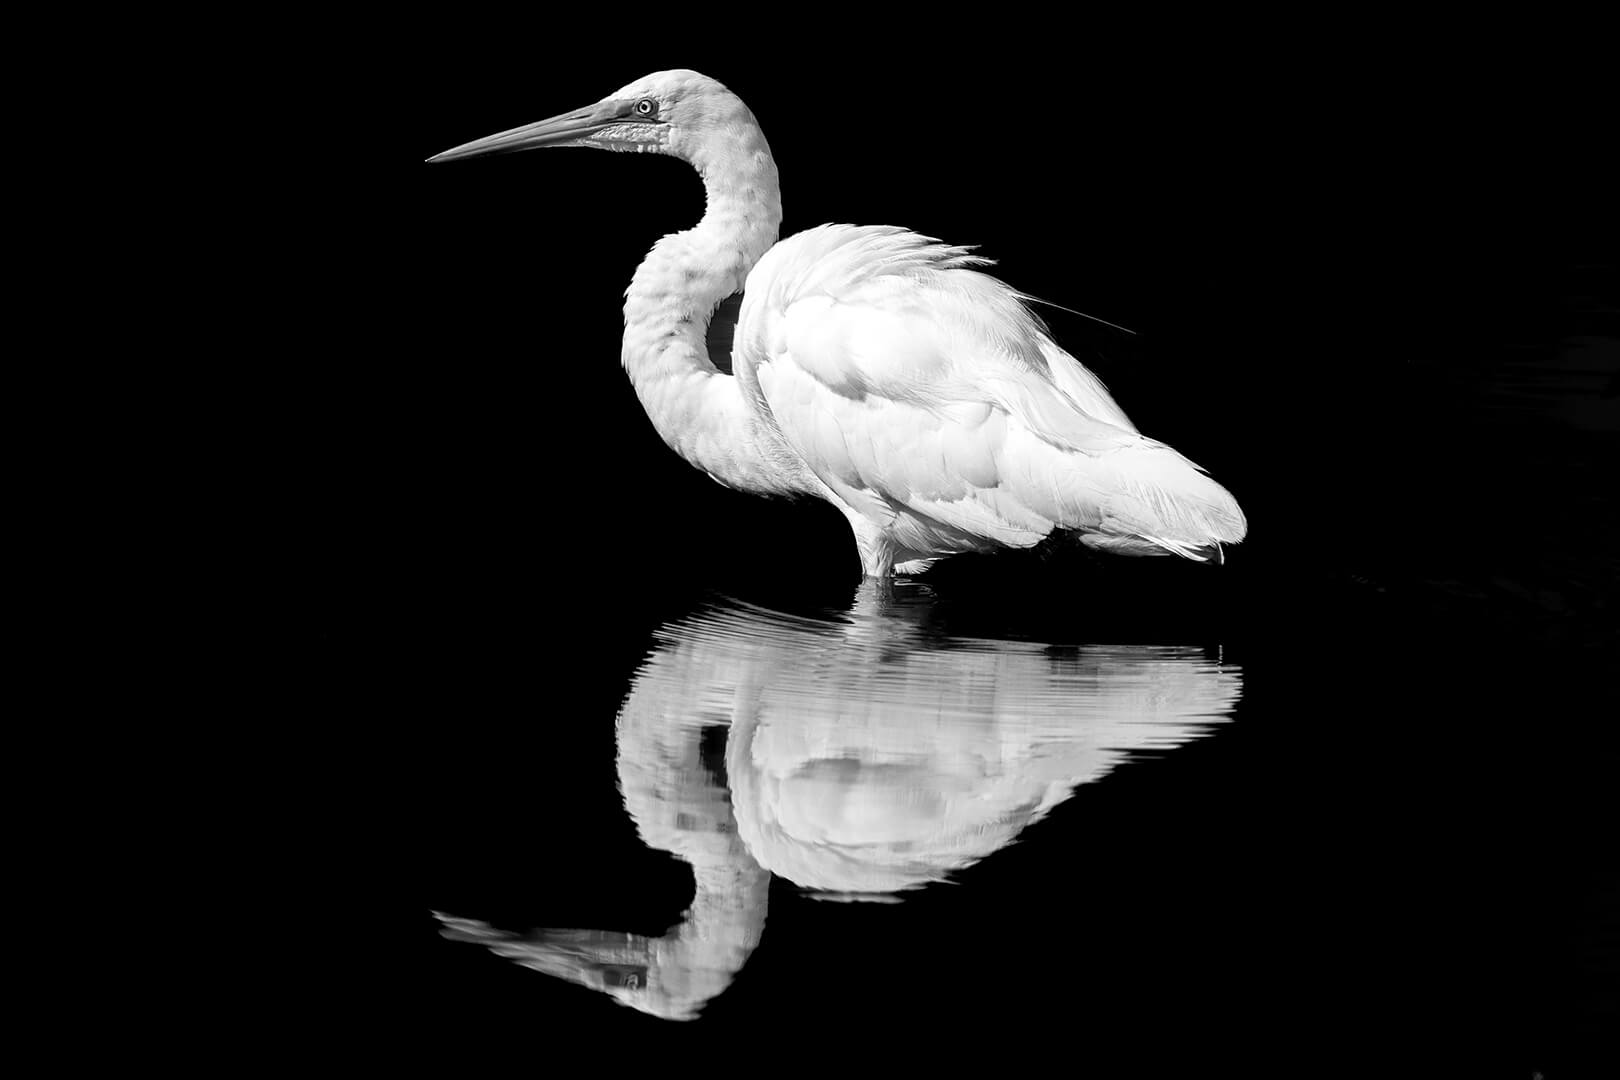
727,916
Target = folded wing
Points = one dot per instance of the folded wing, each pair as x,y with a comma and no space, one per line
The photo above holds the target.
931,401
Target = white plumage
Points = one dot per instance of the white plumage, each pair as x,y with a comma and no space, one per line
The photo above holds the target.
871,366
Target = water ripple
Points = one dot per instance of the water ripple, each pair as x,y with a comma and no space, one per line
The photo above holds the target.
859,756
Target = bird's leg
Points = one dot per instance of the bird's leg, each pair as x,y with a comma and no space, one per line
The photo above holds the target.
877,552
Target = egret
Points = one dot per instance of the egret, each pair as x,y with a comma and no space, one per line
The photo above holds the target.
869,366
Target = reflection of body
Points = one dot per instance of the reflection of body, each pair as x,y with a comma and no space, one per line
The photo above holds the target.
863,757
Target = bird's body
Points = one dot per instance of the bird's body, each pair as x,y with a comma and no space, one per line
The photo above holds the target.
870,366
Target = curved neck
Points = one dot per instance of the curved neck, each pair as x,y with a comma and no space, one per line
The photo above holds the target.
728,906
695,407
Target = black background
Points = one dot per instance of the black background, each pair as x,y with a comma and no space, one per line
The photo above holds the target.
1328,251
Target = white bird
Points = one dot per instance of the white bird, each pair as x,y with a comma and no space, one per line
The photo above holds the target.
869,366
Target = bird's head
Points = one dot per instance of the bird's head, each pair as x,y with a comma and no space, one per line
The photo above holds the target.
668,112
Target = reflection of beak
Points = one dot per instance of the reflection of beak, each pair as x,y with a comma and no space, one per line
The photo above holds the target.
565,130
600,959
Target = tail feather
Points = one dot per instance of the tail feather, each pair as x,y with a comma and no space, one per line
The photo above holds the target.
1144,499
1167,500
1152,545
1131,494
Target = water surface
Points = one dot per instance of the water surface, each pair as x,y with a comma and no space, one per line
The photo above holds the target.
858,757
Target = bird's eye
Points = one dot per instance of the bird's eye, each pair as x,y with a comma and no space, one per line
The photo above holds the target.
646,107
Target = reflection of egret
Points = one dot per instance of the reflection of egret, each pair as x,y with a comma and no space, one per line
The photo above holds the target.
864,757
870,367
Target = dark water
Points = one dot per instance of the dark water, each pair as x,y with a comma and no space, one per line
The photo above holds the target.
1291,813
858,758
1342,805
899,818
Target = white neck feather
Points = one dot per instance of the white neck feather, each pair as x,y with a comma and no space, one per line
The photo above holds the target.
698,409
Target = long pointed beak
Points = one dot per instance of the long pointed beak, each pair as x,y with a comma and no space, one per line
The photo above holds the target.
601,959
563,130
